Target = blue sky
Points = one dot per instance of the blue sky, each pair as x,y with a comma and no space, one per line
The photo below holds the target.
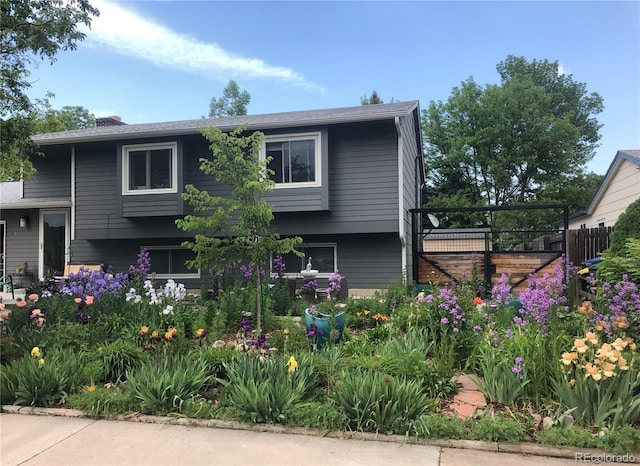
150,61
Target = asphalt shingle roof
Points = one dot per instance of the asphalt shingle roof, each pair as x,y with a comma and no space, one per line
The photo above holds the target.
254,122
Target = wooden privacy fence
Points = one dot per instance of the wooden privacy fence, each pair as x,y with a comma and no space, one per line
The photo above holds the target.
441,254
587,243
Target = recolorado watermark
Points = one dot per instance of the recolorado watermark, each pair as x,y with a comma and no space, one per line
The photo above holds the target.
604,458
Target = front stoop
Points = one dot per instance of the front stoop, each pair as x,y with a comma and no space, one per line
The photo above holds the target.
469,399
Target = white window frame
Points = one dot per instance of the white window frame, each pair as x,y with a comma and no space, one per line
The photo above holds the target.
171,275
297,274
316,137
155,146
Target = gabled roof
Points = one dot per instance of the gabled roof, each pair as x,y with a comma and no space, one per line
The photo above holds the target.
632,156
254,122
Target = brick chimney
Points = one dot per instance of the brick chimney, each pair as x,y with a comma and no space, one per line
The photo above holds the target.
113,120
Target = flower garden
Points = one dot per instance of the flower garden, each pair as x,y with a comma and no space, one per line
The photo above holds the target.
554,369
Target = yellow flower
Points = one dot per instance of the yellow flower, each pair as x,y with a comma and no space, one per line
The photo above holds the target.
286,331
378,356
572,382
365,312
421,294
293,364
41,362
592,338
358,314
35,352
579,345
568,358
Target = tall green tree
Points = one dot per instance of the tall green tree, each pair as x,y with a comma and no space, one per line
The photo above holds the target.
232,103
510,143
374,98
31,31
234,228
69,117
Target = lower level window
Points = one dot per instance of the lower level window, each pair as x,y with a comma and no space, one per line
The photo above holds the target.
322,256
170,262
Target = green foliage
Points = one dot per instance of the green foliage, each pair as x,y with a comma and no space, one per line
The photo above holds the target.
619,441
601,387
216,358
232,103
317,415
118,357
438,426
268,391
30,31
103,402
41,380
281,297
498,429
68,117
379,402
627,226
505,144
613,267
235,228
164,385
371,100
499,383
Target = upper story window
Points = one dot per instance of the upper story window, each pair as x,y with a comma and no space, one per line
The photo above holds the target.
150,168
295,159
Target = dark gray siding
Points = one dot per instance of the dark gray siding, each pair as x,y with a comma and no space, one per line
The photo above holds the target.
367,260
411,180
53,174
21,243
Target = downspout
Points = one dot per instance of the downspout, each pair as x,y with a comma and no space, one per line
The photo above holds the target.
401,232
73,194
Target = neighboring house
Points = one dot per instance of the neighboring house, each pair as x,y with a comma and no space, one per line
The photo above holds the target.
619,188
345,180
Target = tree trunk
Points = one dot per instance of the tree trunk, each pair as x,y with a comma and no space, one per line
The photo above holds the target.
258,301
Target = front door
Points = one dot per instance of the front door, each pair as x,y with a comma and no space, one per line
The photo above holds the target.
54,241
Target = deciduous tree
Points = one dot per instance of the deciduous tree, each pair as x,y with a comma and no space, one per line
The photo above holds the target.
233,102
236,227
510,143
31,31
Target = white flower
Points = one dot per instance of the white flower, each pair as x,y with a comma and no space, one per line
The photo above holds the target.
131,294
168,310
137,299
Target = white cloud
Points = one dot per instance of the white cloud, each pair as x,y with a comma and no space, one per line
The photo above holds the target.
135,36
562,70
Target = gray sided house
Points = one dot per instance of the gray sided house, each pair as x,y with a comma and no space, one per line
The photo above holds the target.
345,181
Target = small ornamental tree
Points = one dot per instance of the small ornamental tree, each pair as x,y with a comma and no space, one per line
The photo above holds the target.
236,227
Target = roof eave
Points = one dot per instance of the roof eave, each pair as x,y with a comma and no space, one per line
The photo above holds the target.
35,203
196,129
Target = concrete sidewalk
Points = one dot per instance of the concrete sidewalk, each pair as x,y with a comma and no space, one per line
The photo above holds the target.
55,440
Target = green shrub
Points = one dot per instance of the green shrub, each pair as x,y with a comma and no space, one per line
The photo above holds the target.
627,226
116,358
498,429
42,381
439,426
317,415
614,266
103,402
268,391
216,358
379,402
164,385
